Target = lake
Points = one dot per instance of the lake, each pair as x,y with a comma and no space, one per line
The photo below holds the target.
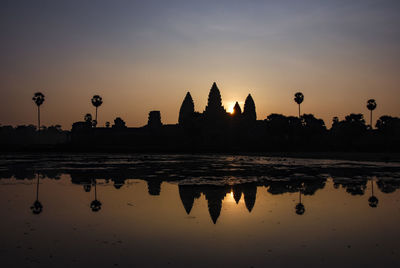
135,210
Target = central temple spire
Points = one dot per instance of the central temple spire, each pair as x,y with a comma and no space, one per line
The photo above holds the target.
214,106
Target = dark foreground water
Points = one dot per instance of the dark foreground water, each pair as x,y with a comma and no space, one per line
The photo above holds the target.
197,211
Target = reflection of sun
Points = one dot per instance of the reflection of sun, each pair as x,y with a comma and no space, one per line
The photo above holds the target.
229,197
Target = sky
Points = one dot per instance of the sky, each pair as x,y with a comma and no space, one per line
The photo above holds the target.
145,55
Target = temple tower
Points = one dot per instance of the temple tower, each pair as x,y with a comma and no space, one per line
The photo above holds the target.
186,113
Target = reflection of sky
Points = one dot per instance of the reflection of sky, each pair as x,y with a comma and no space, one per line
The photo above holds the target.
135,228
144,55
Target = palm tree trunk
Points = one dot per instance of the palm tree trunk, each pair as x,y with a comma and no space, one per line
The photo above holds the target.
95,191
372,187
37,188
38,118
371,119
96,114
299,110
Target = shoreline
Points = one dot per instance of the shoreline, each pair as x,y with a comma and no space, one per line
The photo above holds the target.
351,156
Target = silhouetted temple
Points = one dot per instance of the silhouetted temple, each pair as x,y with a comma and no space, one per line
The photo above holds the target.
212,129
215,115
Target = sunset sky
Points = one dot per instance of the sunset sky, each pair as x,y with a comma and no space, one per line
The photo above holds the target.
145,55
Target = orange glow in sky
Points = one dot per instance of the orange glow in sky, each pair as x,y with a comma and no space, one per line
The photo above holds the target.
143,56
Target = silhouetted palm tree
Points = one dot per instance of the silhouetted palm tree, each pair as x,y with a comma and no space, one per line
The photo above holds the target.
107,124
38,98
97,101
88,118
373,200
37,207
371,105
95,205
298,98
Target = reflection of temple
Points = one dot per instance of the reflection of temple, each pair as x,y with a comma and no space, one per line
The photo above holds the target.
118,181
292,185
276,183
154,186
215,195
188,194
249,191
355,186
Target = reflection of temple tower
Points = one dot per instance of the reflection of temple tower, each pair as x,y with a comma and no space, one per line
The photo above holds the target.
154,186
237,192
214,196
188,194
87,187
118,182
249,192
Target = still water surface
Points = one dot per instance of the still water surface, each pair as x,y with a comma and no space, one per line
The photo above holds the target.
197,211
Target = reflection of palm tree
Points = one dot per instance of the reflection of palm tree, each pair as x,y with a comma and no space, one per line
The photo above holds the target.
37,206
95,205
298,98
373,200
97,101
371,105
300,209
38,98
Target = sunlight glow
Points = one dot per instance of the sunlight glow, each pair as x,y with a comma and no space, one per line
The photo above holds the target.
229,106
229,198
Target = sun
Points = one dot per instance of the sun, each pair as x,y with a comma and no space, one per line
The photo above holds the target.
230,106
